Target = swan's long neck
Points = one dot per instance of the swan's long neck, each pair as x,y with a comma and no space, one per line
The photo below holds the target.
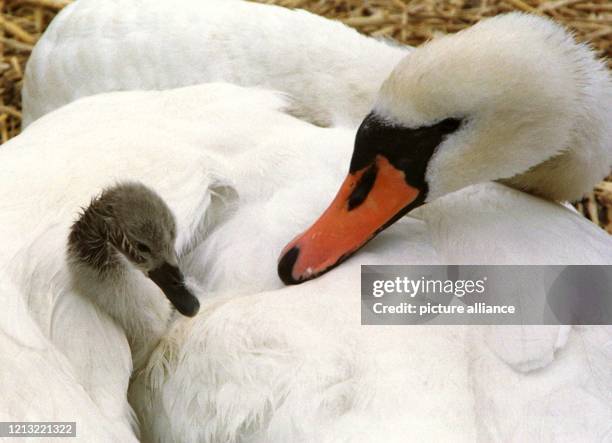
113,284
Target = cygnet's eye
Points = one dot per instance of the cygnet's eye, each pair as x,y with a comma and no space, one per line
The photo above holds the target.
143,248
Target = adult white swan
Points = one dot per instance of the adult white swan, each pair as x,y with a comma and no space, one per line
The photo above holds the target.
331,72
189,141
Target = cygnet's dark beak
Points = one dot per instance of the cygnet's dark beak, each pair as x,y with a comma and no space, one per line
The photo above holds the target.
171,281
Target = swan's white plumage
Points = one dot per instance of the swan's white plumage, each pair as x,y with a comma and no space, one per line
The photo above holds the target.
332,75
227,134
246,366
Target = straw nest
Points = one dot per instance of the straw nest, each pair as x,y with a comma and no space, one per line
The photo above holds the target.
408,21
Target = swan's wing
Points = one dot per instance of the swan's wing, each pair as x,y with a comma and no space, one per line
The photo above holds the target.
38,382
236,171
159,45
200,148
181,143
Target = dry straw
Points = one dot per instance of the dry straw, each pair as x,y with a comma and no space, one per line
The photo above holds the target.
408,21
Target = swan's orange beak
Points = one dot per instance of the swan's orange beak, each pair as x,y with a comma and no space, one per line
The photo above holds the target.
369,200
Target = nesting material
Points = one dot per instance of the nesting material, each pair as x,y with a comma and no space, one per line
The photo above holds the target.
410,22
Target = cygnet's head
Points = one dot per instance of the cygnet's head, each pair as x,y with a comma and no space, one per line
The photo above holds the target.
513,98
130,220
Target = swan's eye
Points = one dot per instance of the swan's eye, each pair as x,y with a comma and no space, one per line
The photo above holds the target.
143,248
449,125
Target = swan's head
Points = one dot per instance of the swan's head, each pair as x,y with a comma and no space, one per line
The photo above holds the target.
514,98
132,220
